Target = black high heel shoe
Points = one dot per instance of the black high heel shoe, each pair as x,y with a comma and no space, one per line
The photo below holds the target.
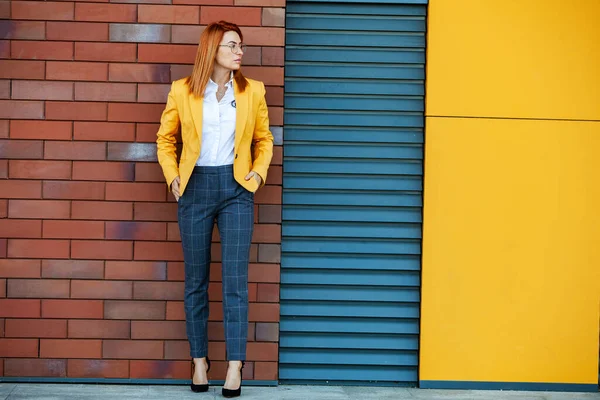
234,392
199,388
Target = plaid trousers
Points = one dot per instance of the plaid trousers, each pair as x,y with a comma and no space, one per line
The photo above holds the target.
213,194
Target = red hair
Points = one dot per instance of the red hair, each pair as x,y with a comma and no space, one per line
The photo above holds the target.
206,55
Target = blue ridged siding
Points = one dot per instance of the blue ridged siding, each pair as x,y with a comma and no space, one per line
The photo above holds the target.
352,197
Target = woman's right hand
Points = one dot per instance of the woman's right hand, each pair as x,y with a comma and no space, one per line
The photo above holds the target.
175,188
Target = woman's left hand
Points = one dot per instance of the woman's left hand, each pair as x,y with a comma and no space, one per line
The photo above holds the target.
255,175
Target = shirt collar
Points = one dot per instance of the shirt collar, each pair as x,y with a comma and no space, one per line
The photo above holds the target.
212,87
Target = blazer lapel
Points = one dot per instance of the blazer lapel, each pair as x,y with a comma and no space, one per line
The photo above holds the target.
196,107
241,112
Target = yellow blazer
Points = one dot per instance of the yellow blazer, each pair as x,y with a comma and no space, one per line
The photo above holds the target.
253,140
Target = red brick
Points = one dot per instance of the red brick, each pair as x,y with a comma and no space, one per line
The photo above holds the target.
102,210
36,328
153,93
73,229
172,330
158,369
273,17
35,368
267,332
101,250
168,14
268,293
186,34
100,289
3,208
145,310
263,312
76,71
159,251
264,36
83,111
177,350
70,348
33,169
135,112
105,51
3,169
175,311
260,3
205,2
41,50
146,132
269,253
277,158
173,232
73,190
133,349
4,85
103,171
72,269
104,131
164,53
267,233
79,31
4,128
20,228
158,290
105,12
148,172
245,16
21,308
38,248
140,33
21,149
155,212
18,348
16,69
263,273
268,195
38,288
42,10
105,91
132,152
46,209
135,270
98,368
19,268
136,191
50,130
138,73
175,271
136,230
268,75
270,214
26,30
72,309
14,109
263,351
3,295
265,371
99,329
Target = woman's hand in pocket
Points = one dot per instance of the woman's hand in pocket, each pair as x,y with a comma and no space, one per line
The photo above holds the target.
175,188
254,175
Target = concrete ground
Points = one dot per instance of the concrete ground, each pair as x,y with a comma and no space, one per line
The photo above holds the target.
50,391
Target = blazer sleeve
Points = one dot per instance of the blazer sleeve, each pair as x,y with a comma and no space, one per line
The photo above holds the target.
166,139
262,139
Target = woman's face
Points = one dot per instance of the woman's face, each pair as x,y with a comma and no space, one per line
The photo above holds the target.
226,58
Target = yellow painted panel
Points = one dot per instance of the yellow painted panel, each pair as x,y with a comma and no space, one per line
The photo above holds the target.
511,254
514,58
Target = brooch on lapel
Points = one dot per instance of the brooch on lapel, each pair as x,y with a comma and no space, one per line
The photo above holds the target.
233,104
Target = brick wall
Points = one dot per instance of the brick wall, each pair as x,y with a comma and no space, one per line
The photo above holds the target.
91,273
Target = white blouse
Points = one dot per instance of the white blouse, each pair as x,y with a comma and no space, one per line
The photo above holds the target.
218,126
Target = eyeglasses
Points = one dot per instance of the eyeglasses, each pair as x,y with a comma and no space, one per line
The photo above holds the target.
235,48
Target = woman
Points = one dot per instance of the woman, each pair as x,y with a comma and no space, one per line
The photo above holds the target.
227,149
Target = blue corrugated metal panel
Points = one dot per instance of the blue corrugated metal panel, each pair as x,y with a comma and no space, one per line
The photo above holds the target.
352,197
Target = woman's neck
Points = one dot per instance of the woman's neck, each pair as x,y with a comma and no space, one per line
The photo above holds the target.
220,76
